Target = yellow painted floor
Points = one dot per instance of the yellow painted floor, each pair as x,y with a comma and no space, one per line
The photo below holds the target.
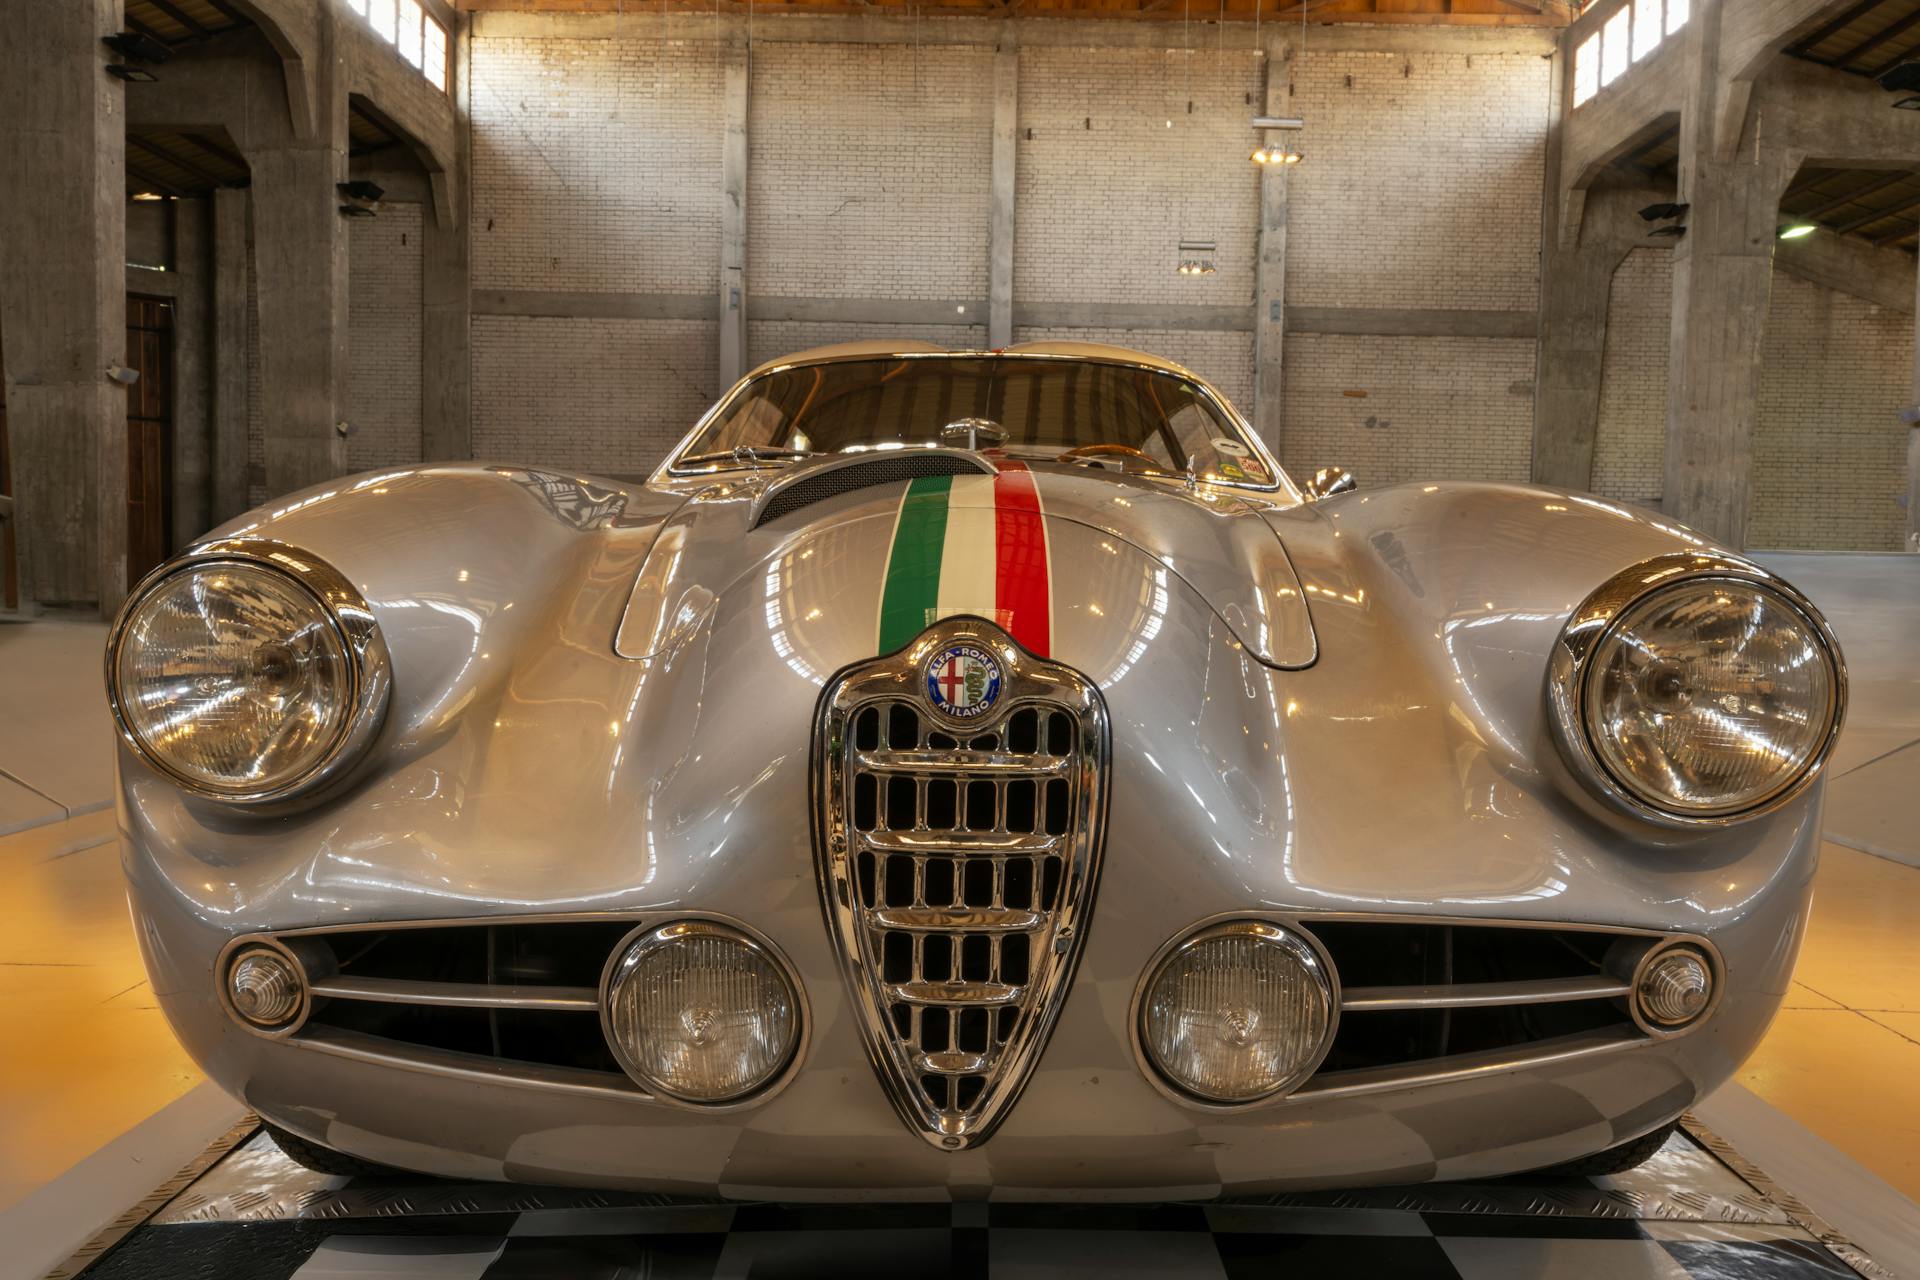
1843,1057
87,1053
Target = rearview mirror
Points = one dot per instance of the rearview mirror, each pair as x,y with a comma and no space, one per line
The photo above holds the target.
1328,481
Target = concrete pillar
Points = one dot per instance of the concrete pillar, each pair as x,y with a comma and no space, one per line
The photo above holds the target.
300,257
733,218
63,300
1270,278
1574,290
446,360
228,467
1913,436
1722,277
1006,122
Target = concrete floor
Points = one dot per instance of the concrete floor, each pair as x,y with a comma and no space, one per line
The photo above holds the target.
98,1104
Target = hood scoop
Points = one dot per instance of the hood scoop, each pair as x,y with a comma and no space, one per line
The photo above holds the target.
843,475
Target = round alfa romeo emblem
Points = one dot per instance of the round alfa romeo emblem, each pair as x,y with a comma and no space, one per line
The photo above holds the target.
963,680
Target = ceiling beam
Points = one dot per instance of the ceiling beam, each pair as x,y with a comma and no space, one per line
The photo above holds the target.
134,24
1837,203
218,152
167,157
1878,215
1840,21
174,11
1873,42
149,183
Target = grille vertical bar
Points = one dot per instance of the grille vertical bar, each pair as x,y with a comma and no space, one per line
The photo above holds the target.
958,863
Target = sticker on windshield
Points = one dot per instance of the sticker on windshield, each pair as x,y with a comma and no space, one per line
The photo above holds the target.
1232,448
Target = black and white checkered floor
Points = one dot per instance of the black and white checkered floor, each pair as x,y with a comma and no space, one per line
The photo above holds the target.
1696,1210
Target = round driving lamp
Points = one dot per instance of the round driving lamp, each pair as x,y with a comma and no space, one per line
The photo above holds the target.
244,680
699,1012
1238,1012
265,988
1674,988
1713,695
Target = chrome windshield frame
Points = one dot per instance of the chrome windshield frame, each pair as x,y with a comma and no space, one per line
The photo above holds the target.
1242,430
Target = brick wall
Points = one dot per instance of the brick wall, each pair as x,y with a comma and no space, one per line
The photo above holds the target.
1631,437
1422,180
1113,171
1398,409
867,171
609,396
384,305
1829,449
596,165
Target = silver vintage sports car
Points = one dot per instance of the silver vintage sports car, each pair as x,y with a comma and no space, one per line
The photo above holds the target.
967,773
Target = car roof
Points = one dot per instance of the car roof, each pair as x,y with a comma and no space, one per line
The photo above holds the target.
1094,351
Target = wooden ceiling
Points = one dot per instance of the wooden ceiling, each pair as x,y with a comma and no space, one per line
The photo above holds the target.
1479,13
1867,38
183,22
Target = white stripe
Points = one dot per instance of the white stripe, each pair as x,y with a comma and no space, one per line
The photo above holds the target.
969,558
1046,536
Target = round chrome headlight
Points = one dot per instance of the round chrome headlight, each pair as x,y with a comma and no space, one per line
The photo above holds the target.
1238,1012
1703,696
247,678
699,1012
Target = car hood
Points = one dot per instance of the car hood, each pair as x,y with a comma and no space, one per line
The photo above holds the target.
1212,538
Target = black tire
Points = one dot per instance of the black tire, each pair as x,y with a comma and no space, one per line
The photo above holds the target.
1628,1155
311,1155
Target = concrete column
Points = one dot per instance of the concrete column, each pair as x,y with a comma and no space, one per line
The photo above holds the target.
1270,277
733,219
300,257
1574,290
228,443
63,300
1913,437
1722,277
1006,146
446,360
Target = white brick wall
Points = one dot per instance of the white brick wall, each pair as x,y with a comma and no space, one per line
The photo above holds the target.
1631,437
383,337
596,165
1395,409
1117,172
1422,180
1829,449
609,396
868,171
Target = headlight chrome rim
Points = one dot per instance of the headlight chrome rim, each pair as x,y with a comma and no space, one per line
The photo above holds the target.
1570,667
649,936
1300,941
370,667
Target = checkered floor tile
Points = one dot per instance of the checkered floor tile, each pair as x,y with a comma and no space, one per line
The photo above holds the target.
255,1215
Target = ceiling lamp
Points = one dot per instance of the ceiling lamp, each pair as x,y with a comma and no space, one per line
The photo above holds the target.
1796,230
1276,153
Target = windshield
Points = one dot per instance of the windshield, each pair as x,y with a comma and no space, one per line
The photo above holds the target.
1111,414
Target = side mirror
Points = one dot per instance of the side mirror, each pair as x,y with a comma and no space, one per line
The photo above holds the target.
1328,481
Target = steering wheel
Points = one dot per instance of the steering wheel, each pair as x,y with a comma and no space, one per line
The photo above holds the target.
1104,450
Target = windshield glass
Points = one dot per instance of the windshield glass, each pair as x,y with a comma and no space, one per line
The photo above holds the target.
1119,415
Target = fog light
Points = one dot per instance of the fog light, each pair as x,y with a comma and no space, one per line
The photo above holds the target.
264,987
1238,1012
1675,987
699,1012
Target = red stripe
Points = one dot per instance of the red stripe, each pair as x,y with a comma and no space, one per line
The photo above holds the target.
1020,546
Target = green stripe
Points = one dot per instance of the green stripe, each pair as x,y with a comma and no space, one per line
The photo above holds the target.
913,569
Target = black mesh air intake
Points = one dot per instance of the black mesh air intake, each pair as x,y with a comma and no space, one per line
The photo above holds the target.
862,475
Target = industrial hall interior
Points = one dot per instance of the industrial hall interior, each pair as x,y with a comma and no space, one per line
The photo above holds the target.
980,638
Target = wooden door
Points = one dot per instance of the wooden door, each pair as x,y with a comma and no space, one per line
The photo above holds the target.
149,434
9,572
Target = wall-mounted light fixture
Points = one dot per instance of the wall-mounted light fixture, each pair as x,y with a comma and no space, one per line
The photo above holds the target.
1272,152
131,46
1797,230
363,197
1196,257
1661,212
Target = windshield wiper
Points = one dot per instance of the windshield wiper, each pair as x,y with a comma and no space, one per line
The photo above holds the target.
751,455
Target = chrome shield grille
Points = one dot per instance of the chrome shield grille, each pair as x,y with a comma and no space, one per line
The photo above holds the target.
958,860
